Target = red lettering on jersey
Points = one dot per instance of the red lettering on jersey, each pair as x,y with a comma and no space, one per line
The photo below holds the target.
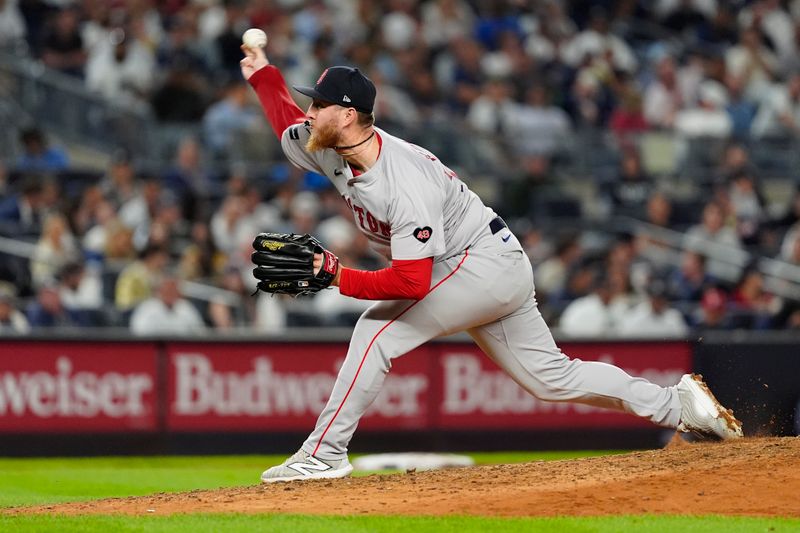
373,222
424,234
421,151
360,212
449,173
373,225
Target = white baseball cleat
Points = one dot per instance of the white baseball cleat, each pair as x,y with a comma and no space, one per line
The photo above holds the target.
702,413
304,466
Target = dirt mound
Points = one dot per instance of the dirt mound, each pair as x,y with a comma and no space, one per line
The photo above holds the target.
745,477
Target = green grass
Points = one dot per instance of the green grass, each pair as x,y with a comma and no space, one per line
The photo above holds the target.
40,481
380,524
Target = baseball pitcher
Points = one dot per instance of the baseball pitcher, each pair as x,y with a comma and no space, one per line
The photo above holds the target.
455,266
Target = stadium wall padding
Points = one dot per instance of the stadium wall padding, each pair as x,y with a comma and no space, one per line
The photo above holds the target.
169,395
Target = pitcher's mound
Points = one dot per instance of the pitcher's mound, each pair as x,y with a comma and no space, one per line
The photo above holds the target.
746,477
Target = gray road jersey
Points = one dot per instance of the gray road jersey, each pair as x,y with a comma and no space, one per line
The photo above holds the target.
409,204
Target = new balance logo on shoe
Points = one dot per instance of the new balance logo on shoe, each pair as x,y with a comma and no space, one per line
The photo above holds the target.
311,465
302,466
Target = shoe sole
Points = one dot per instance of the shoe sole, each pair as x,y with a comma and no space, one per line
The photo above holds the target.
333,474
703,394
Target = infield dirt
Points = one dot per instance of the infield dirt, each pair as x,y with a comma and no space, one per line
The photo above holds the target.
754,476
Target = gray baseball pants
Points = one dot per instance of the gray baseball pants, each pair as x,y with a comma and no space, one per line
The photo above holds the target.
487,291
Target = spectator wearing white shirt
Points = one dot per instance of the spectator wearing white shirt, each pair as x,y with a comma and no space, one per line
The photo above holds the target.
494,111
138,213
231,226
752,62
56,248
748,206
598,42
709,118
12,320
666,8
166,314
444,20
399,27
790,253
653,318
714,238
590,316
779,112
553,30
79,288
12,25
121,69
551,274
538,127
663,98
769,17
96,25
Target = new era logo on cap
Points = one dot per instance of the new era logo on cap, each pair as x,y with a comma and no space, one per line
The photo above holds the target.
347,85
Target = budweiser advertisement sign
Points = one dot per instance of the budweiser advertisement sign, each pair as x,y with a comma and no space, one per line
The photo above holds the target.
77,387
281,386
477,394
284,387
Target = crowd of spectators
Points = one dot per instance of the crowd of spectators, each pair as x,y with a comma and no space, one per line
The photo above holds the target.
534,76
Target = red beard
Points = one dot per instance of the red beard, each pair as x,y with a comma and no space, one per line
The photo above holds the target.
322,138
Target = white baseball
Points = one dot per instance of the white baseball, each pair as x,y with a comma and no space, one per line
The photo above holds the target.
254,38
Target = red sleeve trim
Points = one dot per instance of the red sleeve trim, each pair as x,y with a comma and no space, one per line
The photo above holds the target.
404,280
277,103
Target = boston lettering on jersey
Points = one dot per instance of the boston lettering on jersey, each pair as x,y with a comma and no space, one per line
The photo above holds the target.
368,221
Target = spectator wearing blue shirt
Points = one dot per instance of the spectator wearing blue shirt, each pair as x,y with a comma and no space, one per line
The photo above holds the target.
37,156
741,110
688,282
20,213
48,311
227,117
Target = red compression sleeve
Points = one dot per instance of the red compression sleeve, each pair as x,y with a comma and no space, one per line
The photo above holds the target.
404,280
280,109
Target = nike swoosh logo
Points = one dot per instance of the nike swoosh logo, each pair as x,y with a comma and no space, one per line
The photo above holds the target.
505,239
337,172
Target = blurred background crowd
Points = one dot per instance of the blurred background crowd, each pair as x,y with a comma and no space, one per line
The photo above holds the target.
644,152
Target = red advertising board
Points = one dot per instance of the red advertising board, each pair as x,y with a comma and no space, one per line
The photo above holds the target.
475,393
89,387
284,387
281,387
78,387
